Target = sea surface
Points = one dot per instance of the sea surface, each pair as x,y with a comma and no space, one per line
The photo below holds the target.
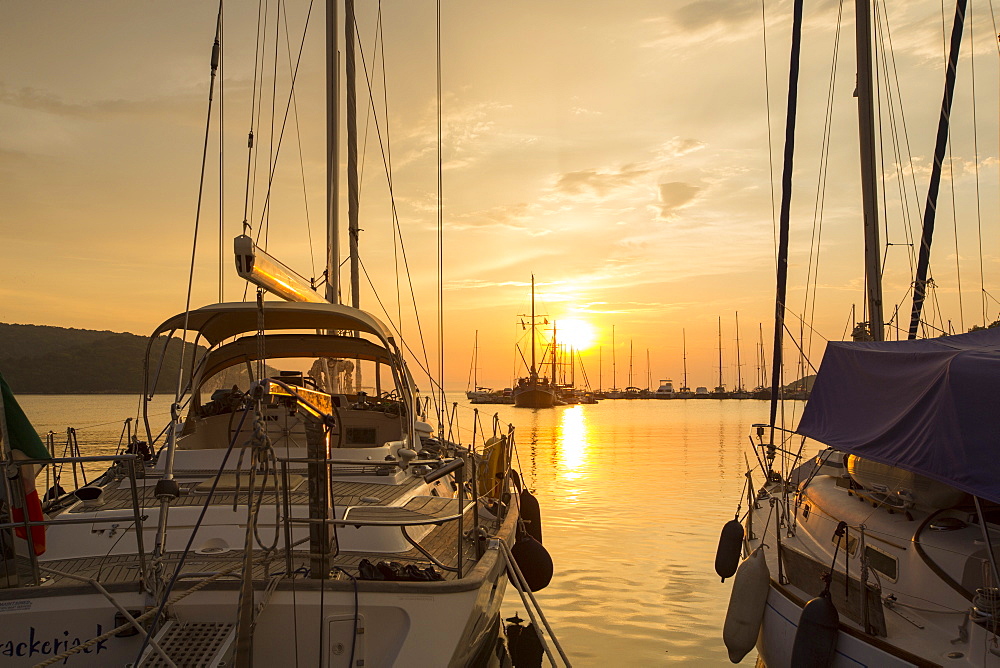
633,496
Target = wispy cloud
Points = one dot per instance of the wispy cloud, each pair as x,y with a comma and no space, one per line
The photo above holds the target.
518,217
597,182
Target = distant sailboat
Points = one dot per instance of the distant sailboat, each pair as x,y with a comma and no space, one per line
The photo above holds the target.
533,391
740,392
614,392
685,391
720,390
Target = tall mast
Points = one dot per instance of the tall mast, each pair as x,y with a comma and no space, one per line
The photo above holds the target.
684,352
332,154
759,351
475,362
649,376
352,169
719,388
930,208
555,353
614,361
352,157
781,282
533,373
869,184
739,376
630,363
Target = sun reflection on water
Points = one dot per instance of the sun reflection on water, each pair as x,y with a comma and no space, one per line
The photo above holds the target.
572,443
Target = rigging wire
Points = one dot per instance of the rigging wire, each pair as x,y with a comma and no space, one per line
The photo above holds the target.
257,103
276,143
975,162
812,271
890,75
222,161
194,242
770,141
954,223
398,234
248,195
885,37
440,206
298,136
272,160
425,366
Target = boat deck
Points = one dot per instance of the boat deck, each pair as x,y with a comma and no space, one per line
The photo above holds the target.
118,571
114,571
345,494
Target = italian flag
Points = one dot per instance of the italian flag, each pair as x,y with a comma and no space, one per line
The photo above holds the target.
20,441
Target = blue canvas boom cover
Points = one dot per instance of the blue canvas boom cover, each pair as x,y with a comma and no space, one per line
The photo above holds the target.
930,406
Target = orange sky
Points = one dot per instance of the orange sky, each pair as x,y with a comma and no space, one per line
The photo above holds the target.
617,151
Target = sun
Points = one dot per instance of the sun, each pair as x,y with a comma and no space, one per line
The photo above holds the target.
575,333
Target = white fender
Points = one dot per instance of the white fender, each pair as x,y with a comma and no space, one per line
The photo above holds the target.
746,605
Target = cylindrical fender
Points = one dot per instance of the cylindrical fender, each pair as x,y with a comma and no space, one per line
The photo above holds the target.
746,605
816,637
727,556
531,515
534,561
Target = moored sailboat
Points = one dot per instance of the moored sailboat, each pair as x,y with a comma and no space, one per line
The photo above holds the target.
879,550
297,508
534,390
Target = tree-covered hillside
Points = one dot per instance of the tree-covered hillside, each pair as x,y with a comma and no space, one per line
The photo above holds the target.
38,359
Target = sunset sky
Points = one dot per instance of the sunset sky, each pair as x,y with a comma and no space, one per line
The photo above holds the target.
618,151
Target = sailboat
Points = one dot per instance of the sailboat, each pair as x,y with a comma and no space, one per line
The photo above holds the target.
478,394
614,392
685,391
297,508
720,390
881,548
533,390
631,391
740,392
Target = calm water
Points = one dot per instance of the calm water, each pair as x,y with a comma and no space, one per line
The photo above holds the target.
633,495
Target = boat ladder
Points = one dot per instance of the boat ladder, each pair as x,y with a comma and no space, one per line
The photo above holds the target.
209,644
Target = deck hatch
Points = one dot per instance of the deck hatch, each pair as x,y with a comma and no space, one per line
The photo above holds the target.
885,564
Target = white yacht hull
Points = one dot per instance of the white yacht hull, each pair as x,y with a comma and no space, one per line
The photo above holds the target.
443,623
777,638
924,621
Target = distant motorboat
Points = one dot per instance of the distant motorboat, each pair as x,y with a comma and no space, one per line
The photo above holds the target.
633,393
665,390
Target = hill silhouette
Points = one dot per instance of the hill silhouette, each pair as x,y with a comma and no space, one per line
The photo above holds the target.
39,359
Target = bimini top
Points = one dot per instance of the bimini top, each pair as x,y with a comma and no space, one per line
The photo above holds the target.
218,322
929,406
